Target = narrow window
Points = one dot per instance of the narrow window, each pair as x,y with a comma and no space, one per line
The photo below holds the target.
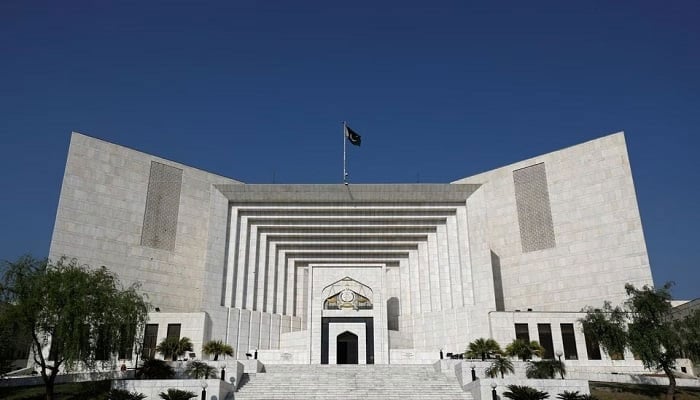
522,332
102,349
592,348
173,331
569,340
126,342
545,331
150,337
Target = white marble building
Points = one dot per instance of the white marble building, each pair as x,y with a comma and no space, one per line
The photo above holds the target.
360,273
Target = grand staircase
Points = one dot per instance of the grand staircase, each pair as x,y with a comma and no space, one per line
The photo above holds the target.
362,382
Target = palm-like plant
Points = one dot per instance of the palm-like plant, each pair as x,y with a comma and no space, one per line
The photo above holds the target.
176,394
516,392
483,348
155,369
566,395
121,394
197,369
524,350
545,369
173,347
500,365
217,347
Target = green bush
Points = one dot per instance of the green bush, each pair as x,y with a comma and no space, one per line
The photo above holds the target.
155,369
120,394
176,394
516,392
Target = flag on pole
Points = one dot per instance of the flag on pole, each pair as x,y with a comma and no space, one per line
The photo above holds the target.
352,136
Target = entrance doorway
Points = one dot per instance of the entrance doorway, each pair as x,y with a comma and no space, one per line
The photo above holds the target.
332,332
347,348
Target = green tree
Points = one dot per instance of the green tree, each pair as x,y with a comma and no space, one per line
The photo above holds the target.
482,348
155,369
500,365
644,324
566,395
217,348
524,350
173,347
177,394
197,369
545,369
688,329
516,392
80,312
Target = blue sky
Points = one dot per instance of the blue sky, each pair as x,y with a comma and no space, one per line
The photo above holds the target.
439,91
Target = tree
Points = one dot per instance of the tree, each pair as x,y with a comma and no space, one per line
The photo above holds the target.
483,348
688,329
500,365
197,369
516,392
524,350
82,313
217,347
177,394
644,324
173,347
545,369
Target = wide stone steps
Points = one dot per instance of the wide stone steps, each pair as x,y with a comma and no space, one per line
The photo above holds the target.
364,382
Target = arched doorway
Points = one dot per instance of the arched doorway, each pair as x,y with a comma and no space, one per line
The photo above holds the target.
346,348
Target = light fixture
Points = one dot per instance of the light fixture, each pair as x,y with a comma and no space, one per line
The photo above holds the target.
204,385
494,396
561,366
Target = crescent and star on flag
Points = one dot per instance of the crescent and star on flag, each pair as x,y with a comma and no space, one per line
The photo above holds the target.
355,139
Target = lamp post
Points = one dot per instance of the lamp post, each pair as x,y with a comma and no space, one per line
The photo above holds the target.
494,396
559,354
223,372
204,389
473,372
138,346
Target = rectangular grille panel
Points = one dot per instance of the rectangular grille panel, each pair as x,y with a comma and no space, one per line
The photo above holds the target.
534,210
162,206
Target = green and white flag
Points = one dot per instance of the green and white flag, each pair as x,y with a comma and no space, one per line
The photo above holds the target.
353,136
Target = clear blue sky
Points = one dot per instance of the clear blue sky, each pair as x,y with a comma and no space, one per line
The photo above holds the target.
438,90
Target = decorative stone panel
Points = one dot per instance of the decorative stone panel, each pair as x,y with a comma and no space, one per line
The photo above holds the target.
534,210
162,205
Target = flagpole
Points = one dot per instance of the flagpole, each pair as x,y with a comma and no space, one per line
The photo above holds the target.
345,170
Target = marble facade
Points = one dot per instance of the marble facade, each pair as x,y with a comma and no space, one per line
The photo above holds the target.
408,269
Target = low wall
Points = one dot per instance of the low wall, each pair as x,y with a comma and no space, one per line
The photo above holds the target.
481,388
216,389
645,380
36,380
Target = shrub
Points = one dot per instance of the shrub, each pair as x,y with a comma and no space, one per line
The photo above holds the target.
176,394
120,394
173,347
482,348
197,369
217,348
500,365
545,369
155,369
516,392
